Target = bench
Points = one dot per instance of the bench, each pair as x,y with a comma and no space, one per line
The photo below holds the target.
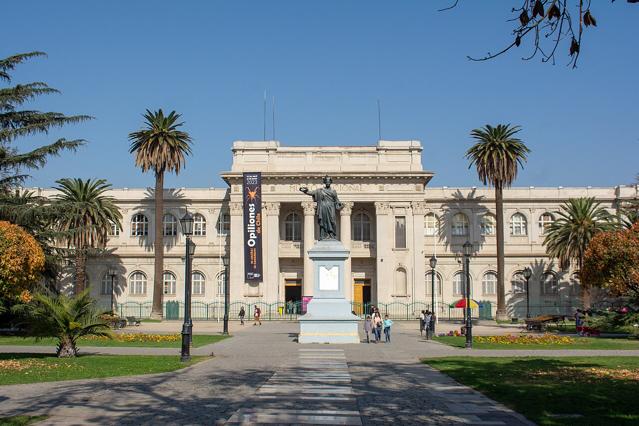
133,321
540,322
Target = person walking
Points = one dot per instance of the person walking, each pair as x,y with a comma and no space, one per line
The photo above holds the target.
377,326
257,314
422,316
241,315
427,325
368,327
387,328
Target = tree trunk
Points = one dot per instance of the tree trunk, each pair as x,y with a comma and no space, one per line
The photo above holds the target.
158,246
66,347
501,294
80,272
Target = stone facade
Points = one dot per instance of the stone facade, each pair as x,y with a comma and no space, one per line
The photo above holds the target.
392,223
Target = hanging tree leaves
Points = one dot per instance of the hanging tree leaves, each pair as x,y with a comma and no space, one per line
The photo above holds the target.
549,24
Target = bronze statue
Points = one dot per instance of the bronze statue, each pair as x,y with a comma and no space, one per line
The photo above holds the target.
327,206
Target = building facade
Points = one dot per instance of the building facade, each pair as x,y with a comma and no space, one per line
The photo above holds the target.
392,222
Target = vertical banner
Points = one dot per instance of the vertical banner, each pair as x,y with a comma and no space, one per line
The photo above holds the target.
252,190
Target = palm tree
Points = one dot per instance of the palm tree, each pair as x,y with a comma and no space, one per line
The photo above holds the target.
51,314
567,238
160,147
88,215
497,155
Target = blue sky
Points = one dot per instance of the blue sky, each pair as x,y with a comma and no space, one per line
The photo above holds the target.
327,63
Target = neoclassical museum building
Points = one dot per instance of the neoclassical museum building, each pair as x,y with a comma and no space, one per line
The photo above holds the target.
392,222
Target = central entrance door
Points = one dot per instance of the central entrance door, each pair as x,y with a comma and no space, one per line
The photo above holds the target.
361,295
293,293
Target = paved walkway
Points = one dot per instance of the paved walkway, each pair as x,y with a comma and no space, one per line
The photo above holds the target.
261,375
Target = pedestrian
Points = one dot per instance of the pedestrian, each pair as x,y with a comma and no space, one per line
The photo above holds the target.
422,316
579,322
257,313
377,326
372,310
387,328
289,307
242,314
427,320
368,327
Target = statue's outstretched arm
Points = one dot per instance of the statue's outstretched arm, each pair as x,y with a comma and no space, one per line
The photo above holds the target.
306,191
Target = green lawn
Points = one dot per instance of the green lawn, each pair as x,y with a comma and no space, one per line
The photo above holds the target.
20,420
32,368
555,391
198,340
579,343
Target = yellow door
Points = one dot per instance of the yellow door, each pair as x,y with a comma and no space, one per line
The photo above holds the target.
358,296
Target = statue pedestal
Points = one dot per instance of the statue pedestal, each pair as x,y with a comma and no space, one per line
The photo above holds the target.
328,317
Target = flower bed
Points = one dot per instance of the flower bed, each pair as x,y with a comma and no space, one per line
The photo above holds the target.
139,337
525,339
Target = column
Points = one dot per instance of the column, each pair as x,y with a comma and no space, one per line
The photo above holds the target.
236,252
345,237
384,235
419,209
309,241
271,253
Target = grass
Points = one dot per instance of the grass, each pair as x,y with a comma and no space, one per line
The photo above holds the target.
198,340
20,420
579,343
554,391
34,368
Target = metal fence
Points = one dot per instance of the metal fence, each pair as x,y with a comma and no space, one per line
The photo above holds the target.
291,311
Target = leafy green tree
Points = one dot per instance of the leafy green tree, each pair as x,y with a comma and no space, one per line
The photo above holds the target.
160,146
497,155
87,216
567,238
50,314
18,122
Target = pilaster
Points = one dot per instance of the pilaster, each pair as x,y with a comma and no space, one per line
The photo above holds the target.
309,241
419,209
236,277
384,258
272,254
345,237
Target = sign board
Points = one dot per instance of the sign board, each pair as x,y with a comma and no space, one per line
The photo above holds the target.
252,194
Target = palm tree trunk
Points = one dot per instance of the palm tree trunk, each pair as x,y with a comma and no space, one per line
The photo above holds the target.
80,271
158,243
66,347
501,294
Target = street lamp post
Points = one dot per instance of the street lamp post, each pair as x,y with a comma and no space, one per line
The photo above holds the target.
112,273
187,327
468,248
527,275
433,265
226,295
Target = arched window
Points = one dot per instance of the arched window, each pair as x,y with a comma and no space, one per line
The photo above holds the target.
293,227
106,287
518,225
114,229
197,283
221,282
361,227
137,284
459,225
549,284
431,225
544,222
488,225
139,225
518,283
169,281
401,284
199,225
170,225
429,283
489,284
458,284
223,225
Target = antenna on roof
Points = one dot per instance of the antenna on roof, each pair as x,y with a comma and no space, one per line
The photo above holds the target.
273,117
264,118
379,121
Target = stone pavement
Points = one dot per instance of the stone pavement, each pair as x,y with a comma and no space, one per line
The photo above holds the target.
263,375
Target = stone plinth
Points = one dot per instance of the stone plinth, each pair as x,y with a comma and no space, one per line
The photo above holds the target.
328,317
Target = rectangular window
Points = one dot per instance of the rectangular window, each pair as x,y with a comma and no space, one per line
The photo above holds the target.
400,231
